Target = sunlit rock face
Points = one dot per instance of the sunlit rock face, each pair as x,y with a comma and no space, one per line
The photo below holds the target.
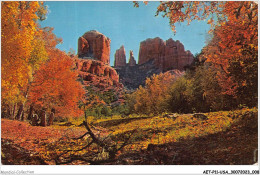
166,55
94,44
120,58
175,56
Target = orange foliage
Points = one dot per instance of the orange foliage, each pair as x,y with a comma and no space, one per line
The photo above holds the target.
50,38
55,85
217,12
18,27
231,39
25,48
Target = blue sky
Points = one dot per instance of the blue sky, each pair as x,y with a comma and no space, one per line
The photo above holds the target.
121,22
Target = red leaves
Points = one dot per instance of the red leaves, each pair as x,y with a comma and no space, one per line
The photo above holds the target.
229,41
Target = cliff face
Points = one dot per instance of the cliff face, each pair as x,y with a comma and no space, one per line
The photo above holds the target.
120,58
175,56
95,45
166,55
152,49
155,56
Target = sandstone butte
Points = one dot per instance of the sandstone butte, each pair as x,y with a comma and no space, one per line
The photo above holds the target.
93,62
166,55
94,44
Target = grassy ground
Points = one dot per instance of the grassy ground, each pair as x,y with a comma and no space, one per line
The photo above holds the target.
225,137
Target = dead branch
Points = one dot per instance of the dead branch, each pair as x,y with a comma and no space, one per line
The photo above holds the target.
77,138
109,148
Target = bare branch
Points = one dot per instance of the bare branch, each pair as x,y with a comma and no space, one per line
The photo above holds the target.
77,138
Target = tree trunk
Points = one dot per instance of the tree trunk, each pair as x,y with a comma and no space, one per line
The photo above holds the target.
30,113
5,112
8,112
43,118
51,118
13,112
22,118
21,107
20,112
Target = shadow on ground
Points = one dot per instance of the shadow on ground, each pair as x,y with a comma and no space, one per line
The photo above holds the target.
236,146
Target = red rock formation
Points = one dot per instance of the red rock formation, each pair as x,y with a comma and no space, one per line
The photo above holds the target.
95,45
166,55
152,49
82,46
131,61
97,73
120,58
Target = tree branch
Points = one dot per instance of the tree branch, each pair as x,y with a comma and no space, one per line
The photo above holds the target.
77,138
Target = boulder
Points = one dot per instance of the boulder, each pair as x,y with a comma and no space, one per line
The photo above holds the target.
170,116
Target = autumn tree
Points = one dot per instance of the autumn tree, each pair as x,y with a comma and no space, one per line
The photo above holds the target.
151,98
233,50
37,57
19,28
55,87
216,12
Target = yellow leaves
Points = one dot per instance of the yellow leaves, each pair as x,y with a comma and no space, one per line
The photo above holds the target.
151,98
18,28
168,130
253,46
38,54
173,29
